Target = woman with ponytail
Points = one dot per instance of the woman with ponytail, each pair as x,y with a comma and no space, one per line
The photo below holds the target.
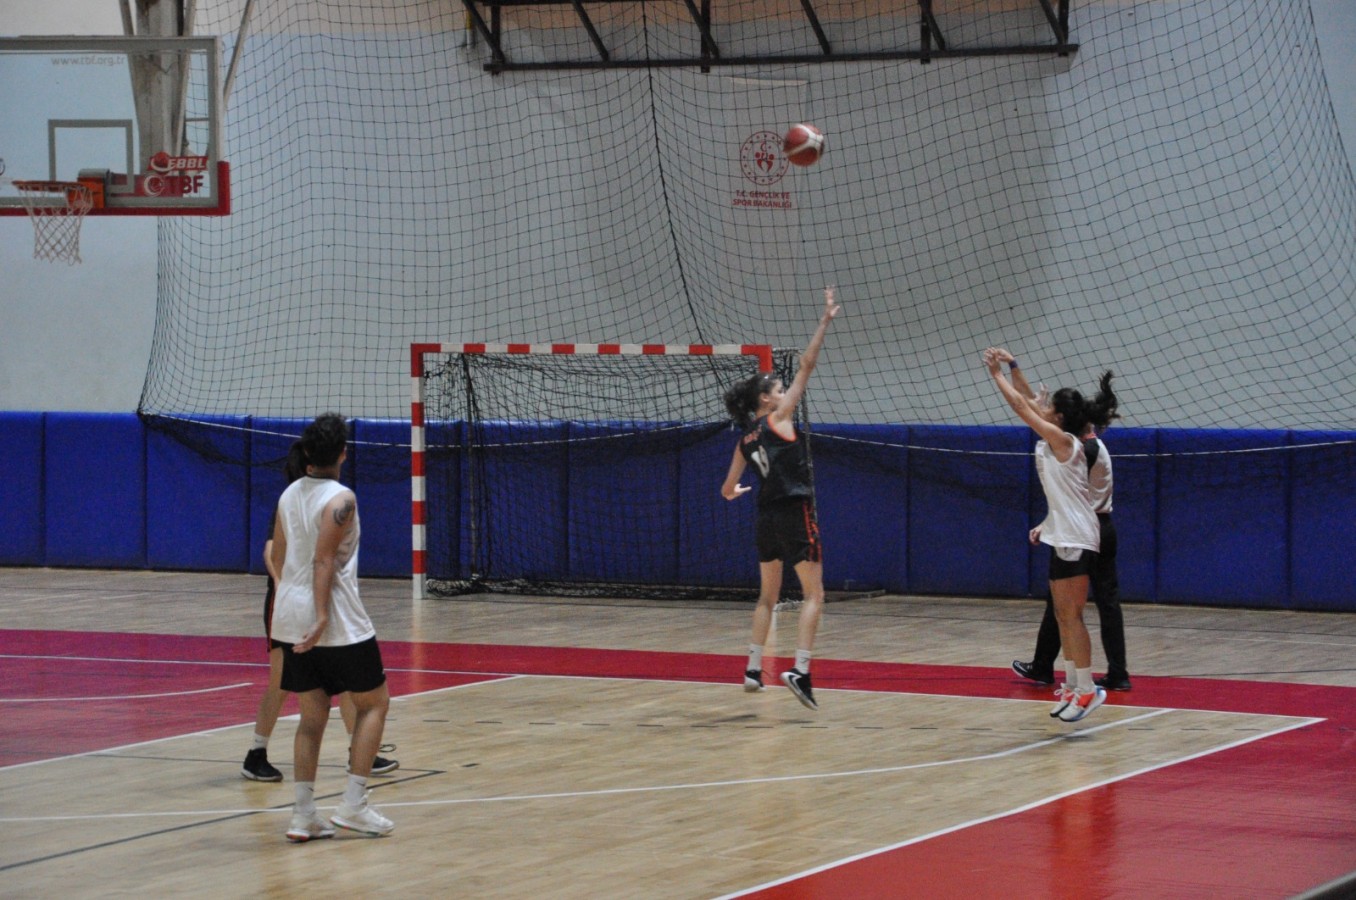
787,531
1071,527
1104,578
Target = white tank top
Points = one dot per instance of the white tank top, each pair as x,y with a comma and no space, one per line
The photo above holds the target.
1070,521
299,511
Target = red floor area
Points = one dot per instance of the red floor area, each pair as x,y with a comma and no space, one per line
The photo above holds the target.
1271,818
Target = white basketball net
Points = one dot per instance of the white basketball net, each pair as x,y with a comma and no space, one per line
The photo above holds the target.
56,209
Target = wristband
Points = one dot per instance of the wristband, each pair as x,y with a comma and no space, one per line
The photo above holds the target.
1012,365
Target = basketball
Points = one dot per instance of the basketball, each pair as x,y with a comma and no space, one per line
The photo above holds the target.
803,144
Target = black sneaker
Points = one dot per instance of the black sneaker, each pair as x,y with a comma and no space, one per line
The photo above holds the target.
380,764
753,680
1113,682
383,766
1031,673
257,768
799,683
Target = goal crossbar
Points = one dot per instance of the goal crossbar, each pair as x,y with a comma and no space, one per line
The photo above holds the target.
419,352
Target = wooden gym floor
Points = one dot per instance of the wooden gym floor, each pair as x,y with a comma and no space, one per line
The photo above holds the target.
604,748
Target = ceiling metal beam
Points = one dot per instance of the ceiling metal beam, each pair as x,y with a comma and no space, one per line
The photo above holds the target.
932,43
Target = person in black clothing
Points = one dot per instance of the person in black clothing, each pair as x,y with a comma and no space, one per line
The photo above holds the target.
787,533
1104,579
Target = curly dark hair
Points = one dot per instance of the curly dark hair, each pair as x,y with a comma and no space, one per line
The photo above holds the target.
324,439
742,398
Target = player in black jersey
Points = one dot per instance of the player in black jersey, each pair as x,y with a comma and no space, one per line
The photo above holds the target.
788,533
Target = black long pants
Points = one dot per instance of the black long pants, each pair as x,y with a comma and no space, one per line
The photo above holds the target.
1106,593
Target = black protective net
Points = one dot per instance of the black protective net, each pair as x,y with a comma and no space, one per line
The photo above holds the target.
1171,202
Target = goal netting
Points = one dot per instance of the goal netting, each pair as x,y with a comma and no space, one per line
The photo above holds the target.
582,470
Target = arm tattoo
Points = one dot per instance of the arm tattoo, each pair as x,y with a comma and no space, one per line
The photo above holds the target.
344,513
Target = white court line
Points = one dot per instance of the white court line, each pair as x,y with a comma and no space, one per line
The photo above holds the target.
1299,723
253,665
210,731
1011,812
224,687
605,792
850,773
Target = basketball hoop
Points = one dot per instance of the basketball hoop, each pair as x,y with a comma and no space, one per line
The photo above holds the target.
56,209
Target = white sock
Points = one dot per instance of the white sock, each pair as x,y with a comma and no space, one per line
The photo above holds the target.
755,657
305,796
1085,685
356,790
1070,673
260,741
803,660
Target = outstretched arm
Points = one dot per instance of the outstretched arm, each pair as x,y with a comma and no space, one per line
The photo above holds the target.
1036,397
808,360
1060,443
732,489
1015,372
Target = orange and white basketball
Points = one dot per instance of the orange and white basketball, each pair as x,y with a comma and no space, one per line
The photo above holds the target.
803,144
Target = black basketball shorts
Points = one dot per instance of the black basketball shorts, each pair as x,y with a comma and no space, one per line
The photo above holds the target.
787,531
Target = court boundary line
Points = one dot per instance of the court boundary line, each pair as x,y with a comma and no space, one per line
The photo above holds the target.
225,687
745,892
204,732
1154,712
219,816
492,675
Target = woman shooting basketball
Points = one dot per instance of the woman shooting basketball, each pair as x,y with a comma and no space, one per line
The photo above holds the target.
1070,527
787,532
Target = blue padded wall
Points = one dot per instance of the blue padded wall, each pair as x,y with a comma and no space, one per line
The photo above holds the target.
863,502
1322,535
969,514
1222,536
1262,528
380,457
1135,505
643,487
95,490
528,528
196,507
714,557
21,500
445,506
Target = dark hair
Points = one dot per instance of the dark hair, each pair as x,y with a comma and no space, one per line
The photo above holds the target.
295,467
743,397
1077,413
324,439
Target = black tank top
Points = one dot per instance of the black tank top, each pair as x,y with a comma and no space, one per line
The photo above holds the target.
783,465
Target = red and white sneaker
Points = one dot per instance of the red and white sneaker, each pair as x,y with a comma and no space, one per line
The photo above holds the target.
1082,704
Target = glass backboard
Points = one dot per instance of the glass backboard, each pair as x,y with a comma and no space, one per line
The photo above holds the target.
135,119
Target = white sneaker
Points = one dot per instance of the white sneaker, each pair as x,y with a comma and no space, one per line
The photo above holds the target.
308,826
1063,696
1082,704
364,819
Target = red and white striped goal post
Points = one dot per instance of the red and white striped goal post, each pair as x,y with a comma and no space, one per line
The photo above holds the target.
418,495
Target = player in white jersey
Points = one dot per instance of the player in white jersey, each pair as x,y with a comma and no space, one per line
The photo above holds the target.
1070,527
1104,578
328,642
